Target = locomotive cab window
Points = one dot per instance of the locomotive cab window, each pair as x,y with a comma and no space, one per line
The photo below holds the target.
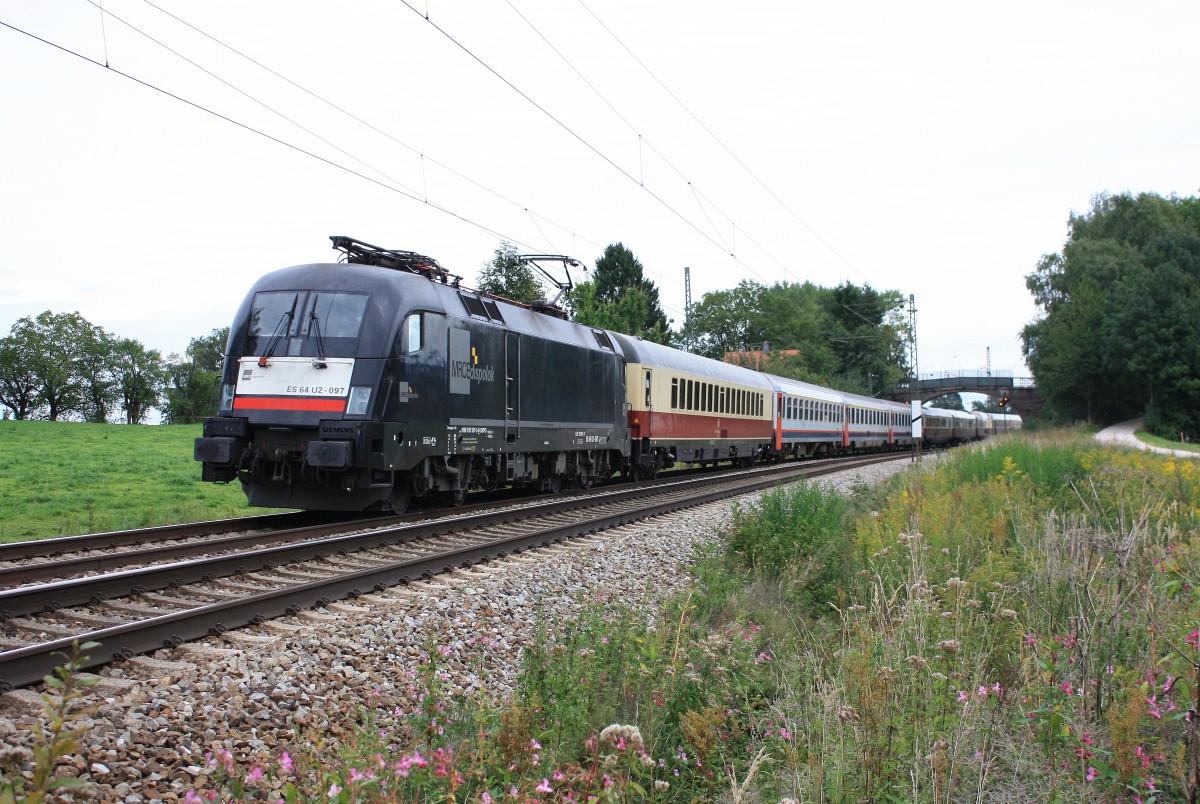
411,334
304,323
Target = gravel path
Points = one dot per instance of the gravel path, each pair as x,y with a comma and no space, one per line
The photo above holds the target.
254,691
1123,434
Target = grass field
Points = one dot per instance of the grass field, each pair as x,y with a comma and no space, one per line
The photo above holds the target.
68,478
1155,441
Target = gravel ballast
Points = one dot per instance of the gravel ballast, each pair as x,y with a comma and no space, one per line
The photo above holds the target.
255,691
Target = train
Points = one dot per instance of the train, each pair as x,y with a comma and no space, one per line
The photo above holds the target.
370,382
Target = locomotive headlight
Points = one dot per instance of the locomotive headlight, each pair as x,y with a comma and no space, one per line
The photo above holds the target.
227,396
360,397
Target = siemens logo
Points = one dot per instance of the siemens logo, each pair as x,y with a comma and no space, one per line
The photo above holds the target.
465,370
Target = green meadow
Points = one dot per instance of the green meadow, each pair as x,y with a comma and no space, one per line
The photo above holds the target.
68,478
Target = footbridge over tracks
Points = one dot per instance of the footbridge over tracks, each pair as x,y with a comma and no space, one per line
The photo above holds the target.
1021,393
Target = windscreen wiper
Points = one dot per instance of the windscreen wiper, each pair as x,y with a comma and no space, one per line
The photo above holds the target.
285,323
315,324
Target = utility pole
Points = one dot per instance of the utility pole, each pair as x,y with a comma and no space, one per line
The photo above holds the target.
915,387
687,308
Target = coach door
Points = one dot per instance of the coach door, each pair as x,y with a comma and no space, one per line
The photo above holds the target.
648,431
512,387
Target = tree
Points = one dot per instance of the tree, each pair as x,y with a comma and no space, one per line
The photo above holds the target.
728,320
505,275
620,298
19,383
65,355
192,380
1118,332
868,336
95,364
139,376
946,402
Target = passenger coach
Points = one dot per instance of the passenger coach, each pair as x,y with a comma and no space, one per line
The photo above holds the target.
683,408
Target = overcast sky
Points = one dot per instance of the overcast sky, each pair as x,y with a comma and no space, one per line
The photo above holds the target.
937,149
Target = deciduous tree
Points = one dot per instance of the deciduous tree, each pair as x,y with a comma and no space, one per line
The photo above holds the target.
620,298
139,375
192,379
1119,330
19,383
507,276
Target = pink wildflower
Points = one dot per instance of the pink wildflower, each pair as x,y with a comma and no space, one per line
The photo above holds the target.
486,798
784,733
285,762
544,787
1091,774
963,697
255,775
1193,638
334,789
1030,639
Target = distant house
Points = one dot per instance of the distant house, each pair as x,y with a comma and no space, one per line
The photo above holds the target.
760,359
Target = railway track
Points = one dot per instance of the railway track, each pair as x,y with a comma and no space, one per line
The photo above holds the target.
137,610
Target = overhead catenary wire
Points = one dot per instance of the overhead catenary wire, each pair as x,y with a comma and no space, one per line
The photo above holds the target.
271,137
577,136
719,142
250,97
424,157
641,139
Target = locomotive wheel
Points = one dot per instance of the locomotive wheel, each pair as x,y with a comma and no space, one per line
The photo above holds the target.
399,500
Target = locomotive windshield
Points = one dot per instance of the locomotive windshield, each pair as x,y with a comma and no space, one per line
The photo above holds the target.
304,323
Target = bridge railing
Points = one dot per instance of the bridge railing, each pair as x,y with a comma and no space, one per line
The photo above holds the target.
964,380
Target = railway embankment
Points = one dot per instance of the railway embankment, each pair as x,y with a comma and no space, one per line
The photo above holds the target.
1019,621
154,724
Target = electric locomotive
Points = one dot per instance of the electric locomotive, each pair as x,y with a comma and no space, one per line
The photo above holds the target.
361,385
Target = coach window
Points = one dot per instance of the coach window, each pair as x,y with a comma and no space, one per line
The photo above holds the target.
647,389
674,393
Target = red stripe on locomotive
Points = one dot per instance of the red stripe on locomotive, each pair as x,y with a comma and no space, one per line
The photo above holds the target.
323,405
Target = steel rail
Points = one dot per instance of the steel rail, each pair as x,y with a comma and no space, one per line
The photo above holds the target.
265,524
26,665
315,542
44,548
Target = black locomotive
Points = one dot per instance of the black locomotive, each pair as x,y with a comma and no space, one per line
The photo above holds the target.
359,385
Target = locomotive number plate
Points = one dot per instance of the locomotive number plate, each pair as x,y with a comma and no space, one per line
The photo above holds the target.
295,376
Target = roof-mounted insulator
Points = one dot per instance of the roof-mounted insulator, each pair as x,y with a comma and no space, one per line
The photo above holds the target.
360,253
